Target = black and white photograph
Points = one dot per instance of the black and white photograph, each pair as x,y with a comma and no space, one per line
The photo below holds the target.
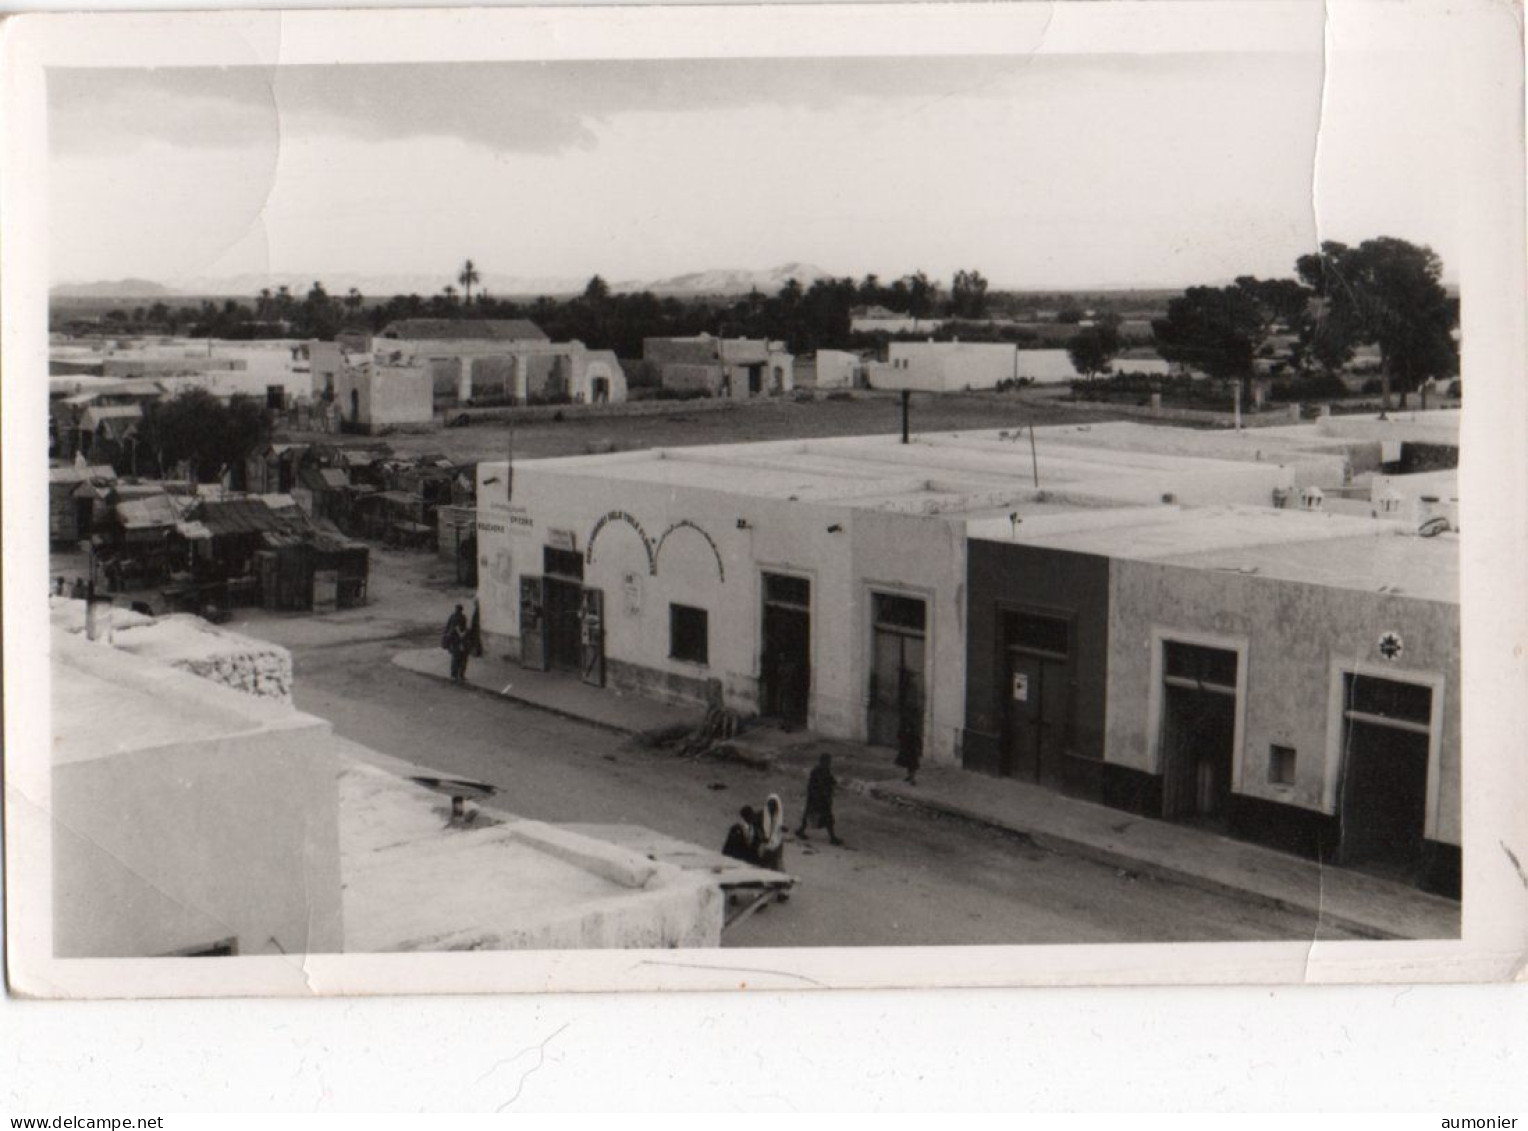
823,486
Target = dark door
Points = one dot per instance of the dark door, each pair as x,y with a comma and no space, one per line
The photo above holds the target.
1198,736
1383,793
564,590
896,670
591,618
755,380
466,561
564,646
532,623
785,671
1034,740
1035,699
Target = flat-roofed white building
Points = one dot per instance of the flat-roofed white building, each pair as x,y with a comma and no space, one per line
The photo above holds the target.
1285,676
821,582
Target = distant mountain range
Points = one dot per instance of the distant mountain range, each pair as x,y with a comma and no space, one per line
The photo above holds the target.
121,288
720,282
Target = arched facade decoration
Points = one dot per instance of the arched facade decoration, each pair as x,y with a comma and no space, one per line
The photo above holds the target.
686,524
627,519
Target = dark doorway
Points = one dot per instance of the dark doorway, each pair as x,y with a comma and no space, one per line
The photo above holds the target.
533,623
785,668
466,561
1386,735
1036,695
564,588
1198,737
355,406
755,380
591,621
898,636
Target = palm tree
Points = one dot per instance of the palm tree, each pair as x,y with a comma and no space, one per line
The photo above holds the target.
450,293
354,301
468,279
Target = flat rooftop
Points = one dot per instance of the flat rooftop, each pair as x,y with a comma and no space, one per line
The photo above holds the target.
107,702
1338,551
409,874
955,472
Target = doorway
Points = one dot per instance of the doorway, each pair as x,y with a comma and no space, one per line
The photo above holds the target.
897,664
1386,741
563,579
1198,735
785,667
1036,694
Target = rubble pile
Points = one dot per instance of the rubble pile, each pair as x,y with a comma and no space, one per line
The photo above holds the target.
189,643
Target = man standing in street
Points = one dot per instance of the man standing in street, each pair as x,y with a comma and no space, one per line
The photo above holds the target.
819,800
457,643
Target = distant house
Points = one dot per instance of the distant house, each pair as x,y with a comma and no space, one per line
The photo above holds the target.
736,368
877,319
837,369
500,361
391,394
944,367
77,499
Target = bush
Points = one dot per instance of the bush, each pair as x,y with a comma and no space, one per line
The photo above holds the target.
1372,387
1455,390
1315,386
666,394
1013,384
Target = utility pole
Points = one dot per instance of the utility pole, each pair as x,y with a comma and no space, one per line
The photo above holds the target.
907,397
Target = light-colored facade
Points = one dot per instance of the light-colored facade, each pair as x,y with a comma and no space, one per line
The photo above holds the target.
838,369
1289,677
735,368
377,395
796,563
195,819
879,320
187,818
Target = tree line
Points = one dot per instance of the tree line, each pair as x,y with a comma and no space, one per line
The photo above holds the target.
1386,293
805,317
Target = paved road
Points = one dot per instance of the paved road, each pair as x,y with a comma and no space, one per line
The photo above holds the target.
904,877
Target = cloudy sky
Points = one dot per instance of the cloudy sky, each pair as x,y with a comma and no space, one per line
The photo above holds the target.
1045,171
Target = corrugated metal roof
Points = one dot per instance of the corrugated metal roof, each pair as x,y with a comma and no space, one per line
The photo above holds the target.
247,516
142,514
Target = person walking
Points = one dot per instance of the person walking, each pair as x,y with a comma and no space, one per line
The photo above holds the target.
819,800
455,641
910,732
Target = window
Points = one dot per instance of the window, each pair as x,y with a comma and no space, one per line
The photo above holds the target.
1036,633
782,590
1390,700
688,634
907,613
562,563
1281,765
1212,669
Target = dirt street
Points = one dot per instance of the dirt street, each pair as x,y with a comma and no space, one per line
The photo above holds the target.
903,878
